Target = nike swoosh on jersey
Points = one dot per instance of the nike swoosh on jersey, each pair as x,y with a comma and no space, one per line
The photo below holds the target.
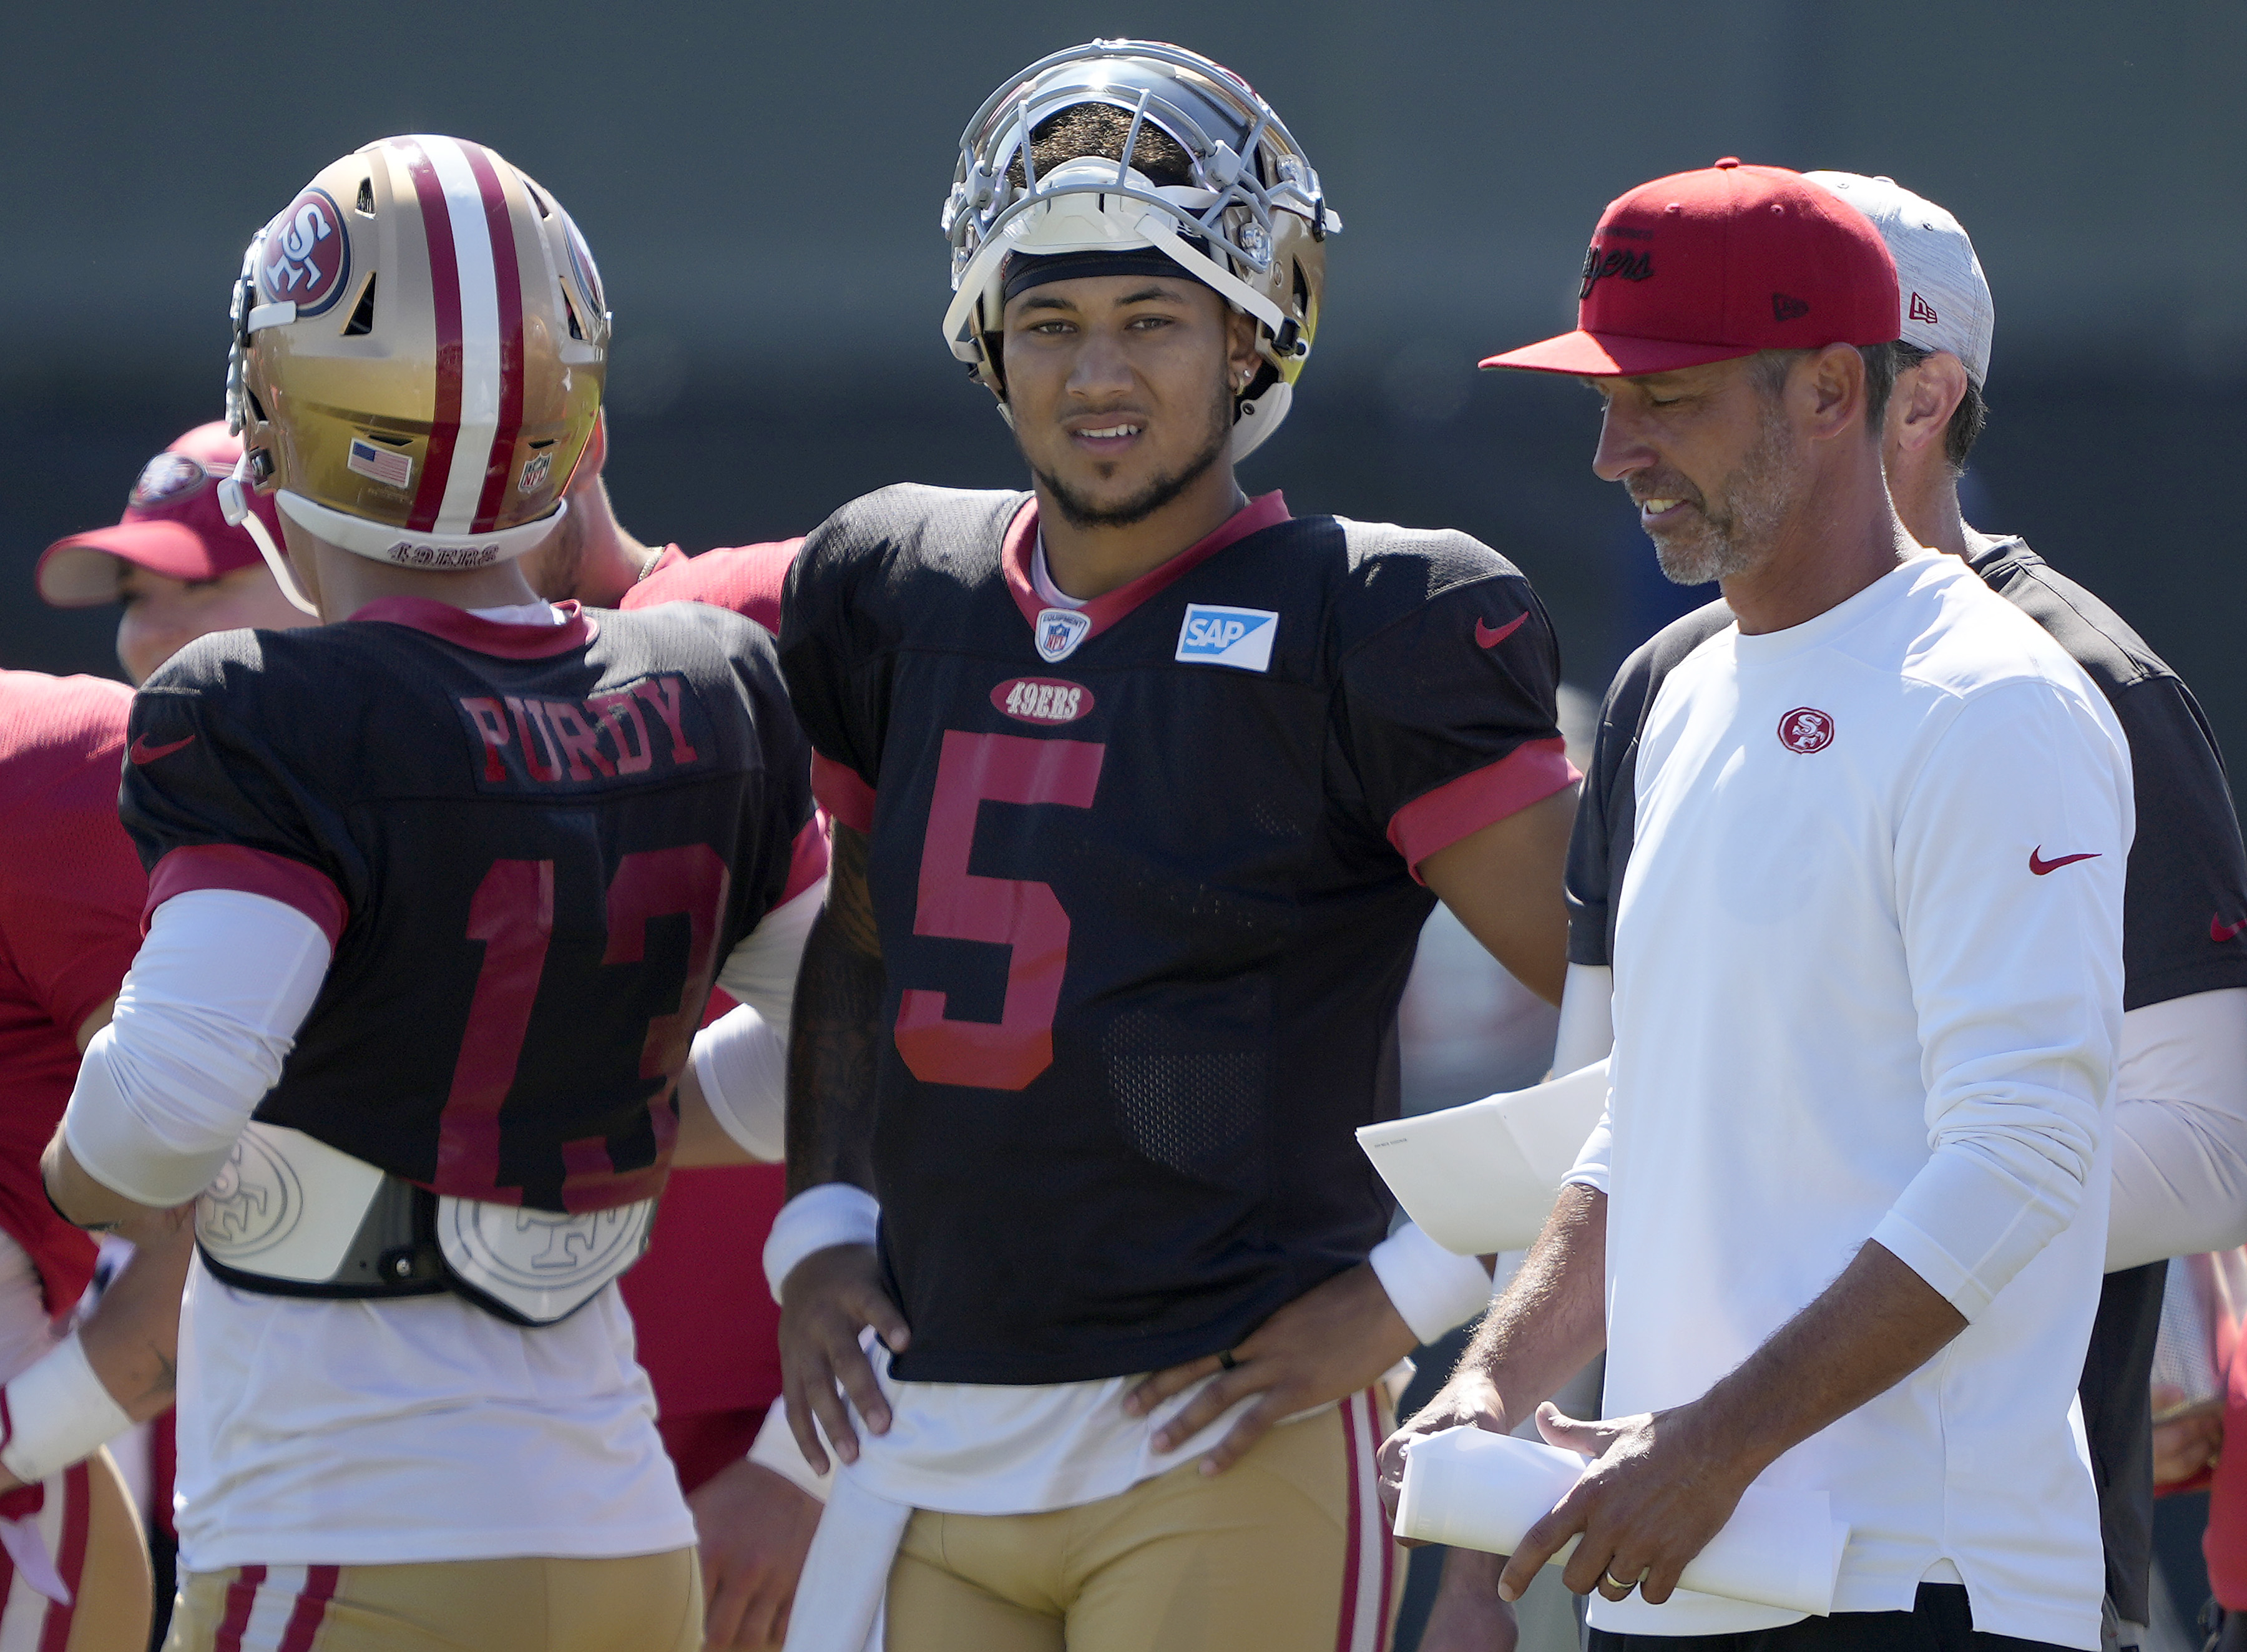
1486,637
2040,866
2219,931
142,752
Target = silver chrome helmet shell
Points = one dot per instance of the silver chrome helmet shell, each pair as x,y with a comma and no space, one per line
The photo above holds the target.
1255,203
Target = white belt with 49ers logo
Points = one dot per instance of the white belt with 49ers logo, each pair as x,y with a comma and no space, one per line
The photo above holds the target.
292,1216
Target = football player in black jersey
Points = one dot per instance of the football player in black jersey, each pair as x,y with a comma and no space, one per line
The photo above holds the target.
1142,792
436,892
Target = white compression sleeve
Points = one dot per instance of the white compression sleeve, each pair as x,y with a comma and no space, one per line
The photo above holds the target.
742,1061
1430,1288
1586,1030
2181,1129
207,1012
761,971
57,1413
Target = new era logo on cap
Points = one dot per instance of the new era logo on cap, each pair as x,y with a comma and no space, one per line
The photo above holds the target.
1945,296
1239,637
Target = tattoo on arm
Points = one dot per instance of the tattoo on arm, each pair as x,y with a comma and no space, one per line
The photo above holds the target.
835,1037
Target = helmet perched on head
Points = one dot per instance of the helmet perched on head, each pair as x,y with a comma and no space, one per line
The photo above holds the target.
1202,180
419,344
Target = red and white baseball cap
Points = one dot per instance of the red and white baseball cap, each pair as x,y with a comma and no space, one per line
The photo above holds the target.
172,526
1706,266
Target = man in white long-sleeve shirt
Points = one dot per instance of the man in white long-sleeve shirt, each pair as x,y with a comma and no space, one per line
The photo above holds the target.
1851,1193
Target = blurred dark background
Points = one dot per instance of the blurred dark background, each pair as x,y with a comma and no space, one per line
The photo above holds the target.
761,185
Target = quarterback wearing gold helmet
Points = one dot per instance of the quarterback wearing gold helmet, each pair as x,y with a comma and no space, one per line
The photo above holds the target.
437,891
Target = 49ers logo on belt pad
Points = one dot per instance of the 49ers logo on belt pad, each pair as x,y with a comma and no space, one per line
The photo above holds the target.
307,254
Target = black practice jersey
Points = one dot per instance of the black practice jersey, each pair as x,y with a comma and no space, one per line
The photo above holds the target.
532,848
2184,931
1143,873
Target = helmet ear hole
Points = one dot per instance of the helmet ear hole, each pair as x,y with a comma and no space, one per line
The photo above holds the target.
362,318
257,407
365,201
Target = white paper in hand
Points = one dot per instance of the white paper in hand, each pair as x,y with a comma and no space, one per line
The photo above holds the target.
1482,1177
1474,1490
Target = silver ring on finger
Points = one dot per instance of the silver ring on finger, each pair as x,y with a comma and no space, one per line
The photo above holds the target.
1613,1581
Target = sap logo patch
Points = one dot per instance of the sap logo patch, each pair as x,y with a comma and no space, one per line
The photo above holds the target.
1239,637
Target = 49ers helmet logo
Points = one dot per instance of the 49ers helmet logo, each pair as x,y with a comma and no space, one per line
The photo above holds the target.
1805,729
306,256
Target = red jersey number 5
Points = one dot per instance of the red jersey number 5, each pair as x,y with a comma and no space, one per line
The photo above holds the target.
1007,911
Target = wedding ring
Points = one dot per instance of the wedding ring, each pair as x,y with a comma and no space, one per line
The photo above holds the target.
1226,1360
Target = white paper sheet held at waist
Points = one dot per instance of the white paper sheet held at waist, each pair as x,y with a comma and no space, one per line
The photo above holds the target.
1482,1177
1475,1490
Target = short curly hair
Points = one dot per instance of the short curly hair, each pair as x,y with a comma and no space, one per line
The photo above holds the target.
1098,130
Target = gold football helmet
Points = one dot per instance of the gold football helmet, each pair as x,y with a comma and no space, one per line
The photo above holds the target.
1252,224
420,342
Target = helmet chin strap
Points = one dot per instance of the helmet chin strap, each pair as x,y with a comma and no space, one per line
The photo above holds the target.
234,505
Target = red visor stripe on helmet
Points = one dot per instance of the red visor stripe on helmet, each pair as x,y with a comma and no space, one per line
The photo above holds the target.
445,292
476,284
507,278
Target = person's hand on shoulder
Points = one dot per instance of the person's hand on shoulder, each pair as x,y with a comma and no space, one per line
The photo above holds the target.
753,1528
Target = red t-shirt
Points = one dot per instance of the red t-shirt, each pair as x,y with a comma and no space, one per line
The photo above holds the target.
70,894
709,1329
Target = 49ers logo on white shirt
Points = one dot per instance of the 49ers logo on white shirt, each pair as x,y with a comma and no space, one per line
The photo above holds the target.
1805,729
1043,699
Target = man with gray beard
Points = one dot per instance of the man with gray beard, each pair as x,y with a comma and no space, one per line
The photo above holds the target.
1842,1225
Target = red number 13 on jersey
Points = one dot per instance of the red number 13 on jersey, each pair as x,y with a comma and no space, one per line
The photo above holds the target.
1007,911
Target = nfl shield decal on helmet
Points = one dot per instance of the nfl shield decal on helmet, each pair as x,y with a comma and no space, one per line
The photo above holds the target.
1059,631
307,254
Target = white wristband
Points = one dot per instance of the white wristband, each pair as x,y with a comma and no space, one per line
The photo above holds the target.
817,1219
741,1064
1432,1289
775,1448
55,1412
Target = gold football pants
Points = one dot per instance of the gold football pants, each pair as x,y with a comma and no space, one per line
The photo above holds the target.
640,1604
1285,1551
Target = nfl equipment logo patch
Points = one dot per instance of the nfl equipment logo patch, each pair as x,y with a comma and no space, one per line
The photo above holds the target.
1239,637
1059,631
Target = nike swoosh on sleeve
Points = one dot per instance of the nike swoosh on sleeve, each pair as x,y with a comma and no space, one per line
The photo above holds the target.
2219,931
2040,866
1486,637
142,752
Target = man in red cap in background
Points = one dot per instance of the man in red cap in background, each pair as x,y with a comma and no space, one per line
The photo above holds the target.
1842,1227
178,568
